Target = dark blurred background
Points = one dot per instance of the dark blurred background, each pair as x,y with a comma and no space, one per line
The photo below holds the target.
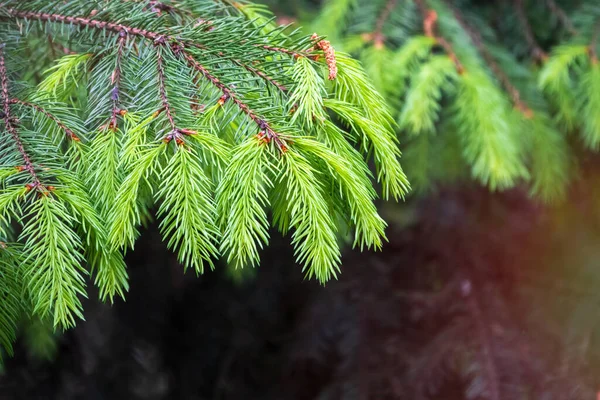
465,274
477,295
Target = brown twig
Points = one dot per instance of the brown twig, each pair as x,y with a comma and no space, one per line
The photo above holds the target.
250,69
562,16
536,51
116,82
53,46
513,92
263,75
158,8
84,22
430,18
253,70
11,128
283,50
178,46
378,37
70,134
166,106
267,132
116,28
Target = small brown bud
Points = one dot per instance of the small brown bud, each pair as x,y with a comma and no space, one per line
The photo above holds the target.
188,132
222,100
158,112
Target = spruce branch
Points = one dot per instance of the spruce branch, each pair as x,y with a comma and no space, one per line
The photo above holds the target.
504,79
159,38
159,7
314,237
241,200
11,287
116,81
53,262
166,106
85,22
163,7
68,69
293,53
67,131
188,211
9,123
265,128
209,132
281,87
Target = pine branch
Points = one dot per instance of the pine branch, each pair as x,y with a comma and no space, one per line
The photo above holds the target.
9,123
116,81
166,106
87,23
68,131
264,76
513,92
53,261
162,40
188,210
10,291
265,128
178,48
213,131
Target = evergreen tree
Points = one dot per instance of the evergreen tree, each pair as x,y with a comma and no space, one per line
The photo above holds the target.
481,90
503,94
201,113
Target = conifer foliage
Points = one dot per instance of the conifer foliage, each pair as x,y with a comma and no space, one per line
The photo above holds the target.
202,114
488,90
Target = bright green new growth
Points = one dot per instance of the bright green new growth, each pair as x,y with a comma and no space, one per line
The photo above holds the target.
475,98
200,113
